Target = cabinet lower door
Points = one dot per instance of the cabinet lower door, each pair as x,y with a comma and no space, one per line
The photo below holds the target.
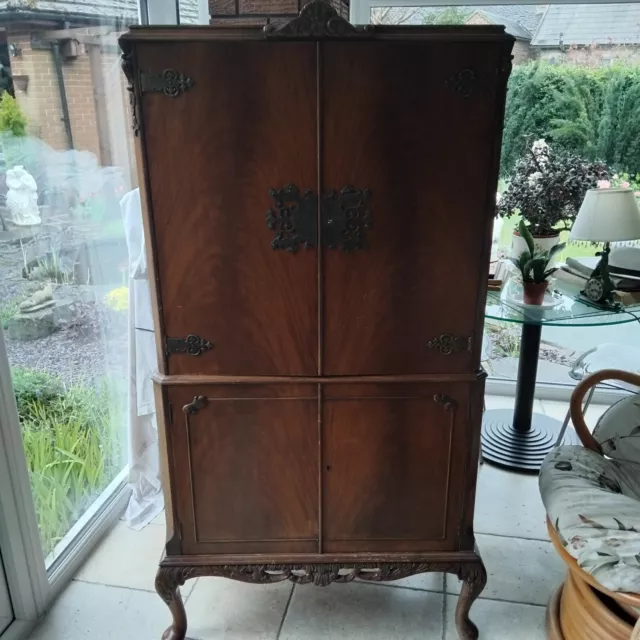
244,465
394,461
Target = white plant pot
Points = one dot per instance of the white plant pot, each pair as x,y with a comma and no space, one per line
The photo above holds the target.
541,243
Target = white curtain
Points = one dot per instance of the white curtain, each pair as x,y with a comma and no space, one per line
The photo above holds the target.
144,467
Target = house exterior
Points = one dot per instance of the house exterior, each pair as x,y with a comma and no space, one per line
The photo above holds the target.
65,67
589,34
262,12
522,50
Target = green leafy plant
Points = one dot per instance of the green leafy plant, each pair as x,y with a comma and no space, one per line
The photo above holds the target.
33,385
534,265
8,309
548,187
72,445
12,118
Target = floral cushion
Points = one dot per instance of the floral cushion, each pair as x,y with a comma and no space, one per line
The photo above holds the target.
618,431
594,504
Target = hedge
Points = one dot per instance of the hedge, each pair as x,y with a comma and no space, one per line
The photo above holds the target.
594,112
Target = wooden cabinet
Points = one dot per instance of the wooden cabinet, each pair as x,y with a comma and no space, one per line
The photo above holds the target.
318,209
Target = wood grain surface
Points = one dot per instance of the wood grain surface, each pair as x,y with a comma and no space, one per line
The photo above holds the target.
393,122
247,470
392,464
248,125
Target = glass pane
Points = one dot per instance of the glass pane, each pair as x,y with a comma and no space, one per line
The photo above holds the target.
576,85
6,611
66,160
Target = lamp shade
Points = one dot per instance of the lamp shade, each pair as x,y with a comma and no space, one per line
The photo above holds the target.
608,215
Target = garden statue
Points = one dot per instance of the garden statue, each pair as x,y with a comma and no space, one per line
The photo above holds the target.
39,300
22,198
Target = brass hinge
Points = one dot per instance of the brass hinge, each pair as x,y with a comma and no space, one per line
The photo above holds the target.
198,402
191,345
446,401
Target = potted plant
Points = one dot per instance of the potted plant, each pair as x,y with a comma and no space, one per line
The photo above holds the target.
546,190
534,267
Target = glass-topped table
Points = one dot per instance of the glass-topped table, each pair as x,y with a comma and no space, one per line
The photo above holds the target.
521,439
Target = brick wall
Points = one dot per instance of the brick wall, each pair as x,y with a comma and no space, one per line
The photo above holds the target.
261,12
41,100
42,106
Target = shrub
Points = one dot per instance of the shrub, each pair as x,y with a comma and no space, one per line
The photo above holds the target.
32,386
12,118
548,187
117,299
592,112
71,446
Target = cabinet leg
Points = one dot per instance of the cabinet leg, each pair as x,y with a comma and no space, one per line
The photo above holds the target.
168,582
475,578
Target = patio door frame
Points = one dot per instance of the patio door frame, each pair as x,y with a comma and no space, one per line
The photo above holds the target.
31,587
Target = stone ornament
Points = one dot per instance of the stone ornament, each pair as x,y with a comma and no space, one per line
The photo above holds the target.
22,197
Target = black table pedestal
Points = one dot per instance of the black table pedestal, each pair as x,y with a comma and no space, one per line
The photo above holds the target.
521,439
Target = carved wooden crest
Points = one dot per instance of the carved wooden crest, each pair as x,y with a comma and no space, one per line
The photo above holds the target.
317,19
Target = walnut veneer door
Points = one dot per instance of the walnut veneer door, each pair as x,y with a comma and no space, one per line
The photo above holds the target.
394,459
213,153
244,461
416,124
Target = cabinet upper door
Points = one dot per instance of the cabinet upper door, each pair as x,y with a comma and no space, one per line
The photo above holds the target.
418,125
219,156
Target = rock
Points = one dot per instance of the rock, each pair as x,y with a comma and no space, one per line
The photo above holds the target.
63,311
38,300
31,326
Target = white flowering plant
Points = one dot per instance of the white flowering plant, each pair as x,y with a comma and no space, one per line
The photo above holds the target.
548,187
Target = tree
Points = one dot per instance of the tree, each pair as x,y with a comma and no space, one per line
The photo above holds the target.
394,15
593,112
448,15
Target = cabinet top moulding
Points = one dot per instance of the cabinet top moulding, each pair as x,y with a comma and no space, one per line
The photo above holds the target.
201,33
318,20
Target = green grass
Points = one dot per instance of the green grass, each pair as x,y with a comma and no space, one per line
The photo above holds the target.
8,309
72,444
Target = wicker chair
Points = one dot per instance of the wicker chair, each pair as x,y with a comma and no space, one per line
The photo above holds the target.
592,497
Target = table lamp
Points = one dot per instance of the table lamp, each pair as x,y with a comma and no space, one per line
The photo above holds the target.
606,215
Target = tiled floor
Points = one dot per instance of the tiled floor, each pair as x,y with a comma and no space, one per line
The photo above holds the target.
112,596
